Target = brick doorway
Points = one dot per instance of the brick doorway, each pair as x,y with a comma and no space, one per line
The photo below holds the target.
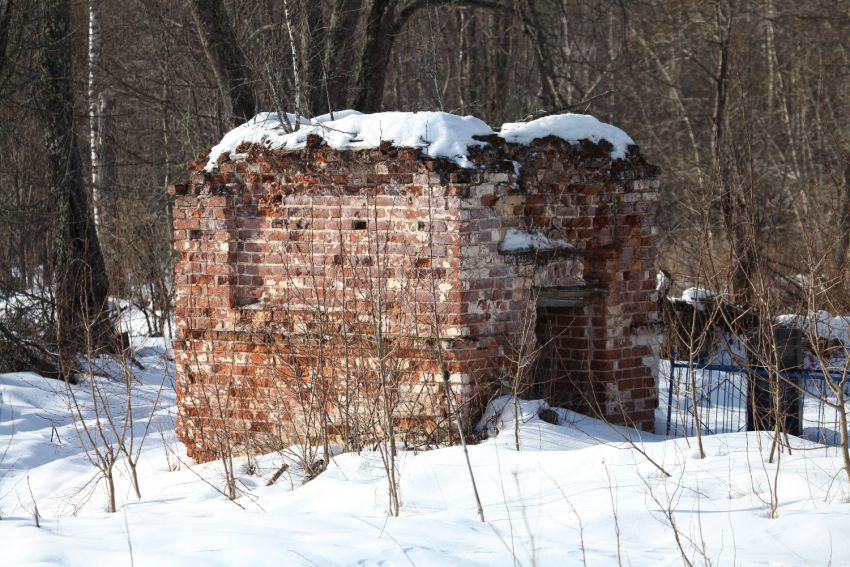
564,332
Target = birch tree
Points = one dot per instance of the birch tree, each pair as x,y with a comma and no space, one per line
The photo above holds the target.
81,285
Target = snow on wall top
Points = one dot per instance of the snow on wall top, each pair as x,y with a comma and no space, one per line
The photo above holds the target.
438,134
570,127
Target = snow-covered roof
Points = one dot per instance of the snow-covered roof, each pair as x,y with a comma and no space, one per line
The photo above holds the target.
438,134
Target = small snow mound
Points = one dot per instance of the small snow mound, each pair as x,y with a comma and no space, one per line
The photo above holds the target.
821,326
501,413
517,240
438,134
697,297
570,127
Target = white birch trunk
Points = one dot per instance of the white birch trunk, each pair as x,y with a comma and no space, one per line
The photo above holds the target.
296,66
94,50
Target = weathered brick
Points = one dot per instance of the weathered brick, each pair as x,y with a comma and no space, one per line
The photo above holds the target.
313,245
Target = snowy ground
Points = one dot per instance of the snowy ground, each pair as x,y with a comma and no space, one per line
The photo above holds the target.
576,493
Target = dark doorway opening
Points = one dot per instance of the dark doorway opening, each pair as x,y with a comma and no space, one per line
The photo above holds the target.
564,332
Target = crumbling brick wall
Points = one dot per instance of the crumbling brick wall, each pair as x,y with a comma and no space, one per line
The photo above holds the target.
314,286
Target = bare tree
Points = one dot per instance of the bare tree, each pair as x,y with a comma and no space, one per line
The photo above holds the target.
332,55
81,284
533,27
232,72
94,53
385,22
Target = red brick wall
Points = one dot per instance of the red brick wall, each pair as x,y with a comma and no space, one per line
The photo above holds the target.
302,274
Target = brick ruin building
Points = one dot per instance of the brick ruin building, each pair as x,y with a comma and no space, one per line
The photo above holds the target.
321,288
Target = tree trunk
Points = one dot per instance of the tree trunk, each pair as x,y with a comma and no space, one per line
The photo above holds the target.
384,24
330,80
296,67
5,18
229,65
313,41
533,28
81,284
377,50
103,169
733,207
94,51
844,221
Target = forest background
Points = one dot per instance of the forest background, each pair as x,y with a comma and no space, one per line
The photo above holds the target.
744,104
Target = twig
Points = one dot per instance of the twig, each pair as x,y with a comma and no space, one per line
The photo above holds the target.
36,516
129,542
463,444
283,468
541,113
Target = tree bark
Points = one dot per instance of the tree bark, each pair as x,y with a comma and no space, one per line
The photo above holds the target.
103,175
372,77
94,52
384,24
229,65
533,28
313,41
734,208
330,69
81,283
844,221
5,18
296,66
